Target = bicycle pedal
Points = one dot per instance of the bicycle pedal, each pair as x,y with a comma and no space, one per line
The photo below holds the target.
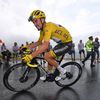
50,78
44,81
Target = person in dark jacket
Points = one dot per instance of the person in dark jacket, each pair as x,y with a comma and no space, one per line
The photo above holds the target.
96,48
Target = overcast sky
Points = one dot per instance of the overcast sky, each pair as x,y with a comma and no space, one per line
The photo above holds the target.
80,17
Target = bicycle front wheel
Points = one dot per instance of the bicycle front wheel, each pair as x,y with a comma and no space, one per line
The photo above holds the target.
12,77
73,74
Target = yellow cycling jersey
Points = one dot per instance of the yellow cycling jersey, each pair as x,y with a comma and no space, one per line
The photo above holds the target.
55,32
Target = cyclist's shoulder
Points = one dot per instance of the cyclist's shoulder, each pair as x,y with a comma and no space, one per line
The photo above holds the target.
53,24
49,24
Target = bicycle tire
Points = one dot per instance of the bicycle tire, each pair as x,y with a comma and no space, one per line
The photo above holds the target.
10,70
75,64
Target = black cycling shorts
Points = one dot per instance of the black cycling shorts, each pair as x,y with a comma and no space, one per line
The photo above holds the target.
62,48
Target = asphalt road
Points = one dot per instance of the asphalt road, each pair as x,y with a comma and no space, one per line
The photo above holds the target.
87,88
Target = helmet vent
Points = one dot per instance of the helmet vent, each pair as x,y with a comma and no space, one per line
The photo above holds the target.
37,13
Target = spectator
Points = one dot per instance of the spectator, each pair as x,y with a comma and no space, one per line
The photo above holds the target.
15,49
20,51
81,49
96,48
33,49
73,52
8,56
3,50
90,51
0,62
27,43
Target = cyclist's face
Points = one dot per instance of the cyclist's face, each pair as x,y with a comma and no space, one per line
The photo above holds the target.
37,23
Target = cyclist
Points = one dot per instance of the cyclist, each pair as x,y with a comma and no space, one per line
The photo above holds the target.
49,30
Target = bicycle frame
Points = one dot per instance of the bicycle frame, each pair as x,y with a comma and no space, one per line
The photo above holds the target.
43,66
59,61
24,76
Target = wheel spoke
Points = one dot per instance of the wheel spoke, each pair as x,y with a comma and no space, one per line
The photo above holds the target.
73,74
20,77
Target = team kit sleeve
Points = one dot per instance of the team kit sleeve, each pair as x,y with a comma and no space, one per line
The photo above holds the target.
47,33
41,37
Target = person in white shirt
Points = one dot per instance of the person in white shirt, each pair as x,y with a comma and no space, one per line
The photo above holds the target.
81,49
15,50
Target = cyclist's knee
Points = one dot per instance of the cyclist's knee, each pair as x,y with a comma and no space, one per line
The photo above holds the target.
47,56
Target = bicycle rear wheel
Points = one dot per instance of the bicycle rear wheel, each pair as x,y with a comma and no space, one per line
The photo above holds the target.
14,74
72,75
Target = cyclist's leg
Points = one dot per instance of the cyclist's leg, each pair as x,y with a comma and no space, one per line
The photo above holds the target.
50,68
57,51
50,58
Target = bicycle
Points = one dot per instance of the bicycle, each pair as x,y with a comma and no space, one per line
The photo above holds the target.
21,76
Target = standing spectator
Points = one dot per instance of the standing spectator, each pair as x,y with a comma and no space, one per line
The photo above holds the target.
22,45
32,49
15,49
0,62
20,50
6,65
73,52
27,43
3,51
90,51
96,48
8,55
1,42
81,49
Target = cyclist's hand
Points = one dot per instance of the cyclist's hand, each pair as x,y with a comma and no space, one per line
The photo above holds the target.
27,58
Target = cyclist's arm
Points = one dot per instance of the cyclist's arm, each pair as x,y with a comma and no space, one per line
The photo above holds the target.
45,39
34,45
44,46
42,49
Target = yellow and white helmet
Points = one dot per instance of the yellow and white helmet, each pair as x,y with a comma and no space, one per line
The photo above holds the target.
36,14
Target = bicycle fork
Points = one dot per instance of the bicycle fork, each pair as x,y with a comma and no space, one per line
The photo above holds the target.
24,77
